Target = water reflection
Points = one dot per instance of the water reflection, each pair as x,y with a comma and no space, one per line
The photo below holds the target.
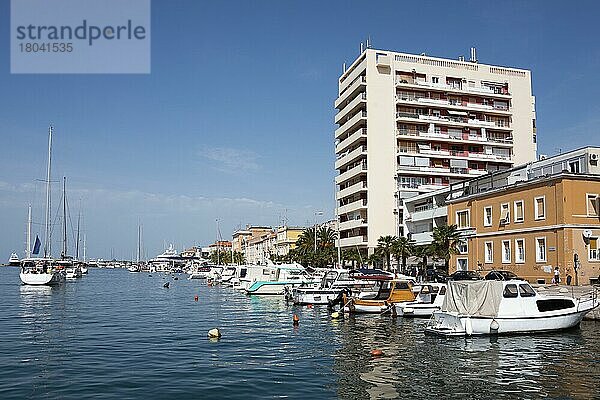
416,365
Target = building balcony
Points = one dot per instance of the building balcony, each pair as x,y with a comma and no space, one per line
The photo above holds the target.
447,138
354,206
351,173
352,123
350,190
346,158
351,107
427,215
351,140
352,224
451,104
421,238
352,241
460,89
359,84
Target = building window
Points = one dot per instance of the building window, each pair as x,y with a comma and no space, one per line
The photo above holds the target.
463,247
489,252
506,251
574,167
462,264
519,212
487,216
540,254
594,254
520,251
462,219
504,214
540,207
435,79
592,205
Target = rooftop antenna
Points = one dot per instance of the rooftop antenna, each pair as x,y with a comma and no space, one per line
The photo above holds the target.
344,68
473,55
369,42
362,47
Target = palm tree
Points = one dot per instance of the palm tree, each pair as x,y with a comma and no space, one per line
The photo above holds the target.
402,248
423,252
325,244
353,255
375,258
445,242
384,245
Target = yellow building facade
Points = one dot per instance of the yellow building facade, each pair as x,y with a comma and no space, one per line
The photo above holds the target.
532,227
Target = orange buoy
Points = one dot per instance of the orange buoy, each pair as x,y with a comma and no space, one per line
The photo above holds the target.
196,298
309,306
296,320
376,353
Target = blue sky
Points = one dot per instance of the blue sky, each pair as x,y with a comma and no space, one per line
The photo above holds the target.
235,121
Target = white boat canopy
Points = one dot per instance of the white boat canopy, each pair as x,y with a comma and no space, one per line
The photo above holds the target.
473,298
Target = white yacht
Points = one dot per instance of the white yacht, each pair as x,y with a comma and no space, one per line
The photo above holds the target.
430,298
13,260
40,271
499,307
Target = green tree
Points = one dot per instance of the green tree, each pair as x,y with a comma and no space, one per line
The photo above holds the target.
384,246
401,249
376,258
445,243
355,256
325,253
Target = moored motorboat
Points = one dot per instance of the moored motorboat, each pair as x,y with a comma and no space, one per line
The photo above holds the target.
333,283
389,295
429,299
285,277
501,307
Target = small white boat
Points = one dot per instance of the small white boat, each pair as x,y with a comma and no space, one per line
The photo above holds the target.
333,283
70,273
500,307
429,299
13,260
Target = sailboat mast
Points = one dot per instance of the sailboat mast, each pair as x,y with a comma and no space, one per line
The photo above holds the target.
137,259
47,244
77,239
64,248
28,249
84,248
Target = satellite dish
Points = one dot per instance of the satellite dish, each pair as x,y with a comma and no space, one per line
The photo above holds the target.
587,233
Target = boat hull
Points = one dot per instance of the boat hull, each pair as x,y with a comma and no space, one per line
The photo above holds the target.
54,278
304,297
416,310
449,324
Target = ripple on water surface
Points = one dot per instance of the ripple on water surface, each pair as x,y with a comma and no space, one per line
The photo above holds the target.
114,334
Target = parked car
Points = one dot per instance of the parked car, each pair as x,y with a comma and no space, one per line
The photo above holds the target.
436,275
465,276
500,275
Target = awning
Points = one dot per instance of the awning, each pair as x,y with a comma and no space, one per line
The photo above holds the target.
461,113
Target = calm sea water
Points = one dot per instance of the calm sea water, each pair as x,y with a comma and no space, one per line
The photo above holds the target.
116,335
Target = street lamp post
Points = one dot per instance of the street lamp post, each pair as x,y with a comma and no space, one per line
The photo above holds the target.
316,213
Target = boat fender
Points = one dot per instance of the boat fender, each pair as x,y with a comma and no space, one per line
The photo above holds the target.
214,333
309,306
468,326
494,326
196,298
408,310
296,320
166,285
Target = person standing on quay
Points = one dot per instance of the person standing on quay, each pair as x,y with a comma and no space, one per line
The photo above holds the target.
556,276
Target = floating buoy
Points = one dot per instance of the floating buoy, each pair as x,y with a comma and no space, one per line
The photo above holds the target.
214,333
309,306
150,275
176,278
335,315
296,320
376,353
196,298
166,285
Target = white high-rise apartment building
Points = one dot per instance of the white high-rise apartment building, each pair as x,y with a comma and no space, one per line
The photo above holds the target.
412,124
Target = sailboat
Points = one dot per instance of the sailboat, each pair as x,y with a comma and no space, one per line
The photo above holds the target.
41,271
137,267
